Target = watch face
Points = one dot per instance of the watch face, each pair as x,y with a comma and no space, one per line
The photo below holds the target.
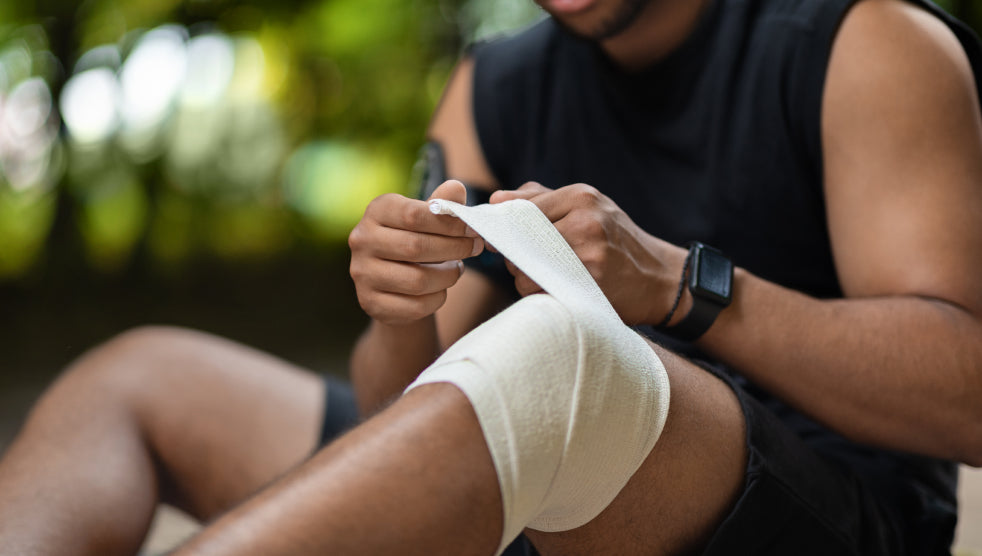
713,276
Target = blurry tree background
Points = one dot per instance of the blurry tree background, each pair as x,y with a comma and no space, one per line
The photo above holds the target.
200,163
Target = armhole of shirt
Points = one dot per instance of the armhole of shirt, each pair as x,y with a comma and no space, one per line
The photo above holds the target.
488,95
813,57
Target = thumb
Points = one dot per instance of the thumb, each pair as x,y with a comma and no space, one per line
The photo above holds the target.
526,191
451,190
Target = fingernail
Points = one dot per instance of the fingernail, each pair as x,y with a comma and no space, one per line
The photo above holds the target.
460,268
468,232
478,247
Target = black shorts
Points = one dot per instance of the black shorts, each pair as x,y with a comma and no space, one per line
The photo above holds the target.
340,409
794,501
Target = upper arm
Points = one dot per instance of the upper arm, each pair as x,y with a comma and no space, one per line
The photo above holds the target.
474,298
453,127
902,144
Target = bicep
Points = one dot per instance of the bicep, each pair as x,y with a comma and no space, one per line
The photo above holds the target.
903,158
453,127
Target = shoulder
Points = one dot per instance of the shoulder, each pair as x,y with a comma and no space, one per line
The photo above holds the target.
896,37
895,62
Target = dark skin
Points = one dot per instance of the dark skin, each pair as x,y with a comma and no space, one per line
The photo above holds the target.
903,168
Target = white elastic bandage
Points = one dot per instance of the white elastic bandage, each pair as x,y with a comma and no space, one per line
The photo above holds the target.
570,400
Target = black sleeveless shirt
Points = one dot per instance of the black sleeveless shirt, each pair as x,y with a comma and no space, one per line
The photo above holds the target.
719,142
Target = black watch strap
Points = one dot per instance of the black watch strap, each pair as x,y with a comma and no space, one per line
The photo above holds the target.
711,286
697,322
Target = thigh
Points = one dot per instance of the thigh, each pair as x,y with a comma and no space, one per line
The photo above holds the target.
797,501
686,486
221,420
728,477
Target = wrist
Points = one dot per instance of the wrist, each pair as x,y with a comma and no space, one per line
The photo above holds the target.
420,332
389,357
707,278
674,298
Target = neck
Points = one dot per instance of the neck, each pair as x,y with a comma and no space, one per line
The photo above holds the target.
659,29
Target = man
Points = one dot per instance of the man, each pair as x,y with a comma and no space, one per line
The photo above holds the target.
832,149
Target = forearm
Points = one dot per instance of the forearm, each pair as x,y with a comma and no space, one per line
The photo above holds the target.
901,372
387,358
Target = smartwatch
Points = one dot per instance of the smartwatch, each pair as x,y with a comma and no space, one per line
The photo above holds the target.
711,285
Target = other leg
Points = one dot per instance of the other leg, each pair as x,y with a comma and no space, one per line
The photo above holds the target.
156,413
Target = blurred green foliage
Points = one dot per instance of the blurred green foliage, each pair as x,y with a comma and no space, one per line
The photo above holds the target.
167,131
160,132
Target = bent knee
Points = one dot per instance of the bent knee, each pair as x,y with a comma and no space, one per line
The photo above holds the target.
134,360
570,404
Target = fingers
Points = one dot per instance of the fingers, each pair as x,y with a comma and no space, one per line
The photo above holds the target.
527,191
394,308
396,211
407,278
395,292
451,190
565,200
554,203
414,247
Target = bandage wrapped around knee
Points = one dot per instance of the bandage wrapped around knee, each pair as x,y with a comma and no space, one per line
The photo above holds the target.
570,400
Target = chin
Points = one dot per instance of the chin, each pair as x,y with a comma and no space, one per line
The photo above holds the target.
595,19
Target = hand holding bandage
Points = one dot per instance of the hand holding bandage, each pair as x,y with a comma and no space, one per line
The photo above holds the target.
403,257
566,438
638,272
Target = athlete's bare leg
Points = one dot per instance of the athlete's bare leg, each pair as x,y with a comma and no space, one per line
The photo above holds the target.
418,479
157,413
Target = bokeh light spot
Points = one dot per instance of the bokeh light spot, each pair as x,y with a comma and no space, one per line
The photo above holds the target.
151,78
331,184
210,63
89,105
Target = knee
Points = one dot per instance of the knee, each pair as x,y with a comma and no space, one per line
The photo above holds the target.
131,359
115,377
570,404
